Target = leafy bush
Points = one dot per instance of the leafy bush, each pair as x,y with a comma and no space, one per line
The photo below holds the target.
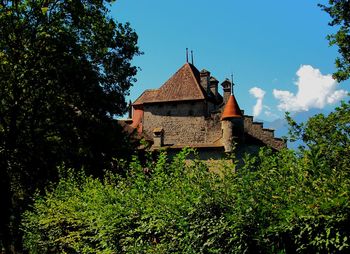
278,202
161,207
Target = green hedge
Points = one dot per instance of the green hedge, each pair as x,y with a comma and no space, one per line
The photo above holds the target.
285,202
182,207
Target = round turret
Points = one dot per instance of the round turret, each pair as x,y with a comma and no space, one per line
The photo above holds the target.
231,124
231,109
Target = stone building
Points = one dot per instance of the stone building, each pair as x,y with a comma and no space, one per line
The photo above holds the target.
188,111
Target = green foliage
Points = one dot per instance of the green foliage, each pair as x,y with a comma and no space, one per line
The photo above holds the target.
326,138
65,67
278,202
339,10
294,205
158,208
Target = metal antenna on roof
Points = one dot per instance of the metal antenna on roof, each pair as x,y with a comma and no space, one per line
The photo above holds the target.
186,55
192,57
232,84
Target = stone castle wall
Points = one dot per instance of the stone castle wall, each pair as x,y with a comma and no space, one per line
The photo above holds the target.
183,123
265,135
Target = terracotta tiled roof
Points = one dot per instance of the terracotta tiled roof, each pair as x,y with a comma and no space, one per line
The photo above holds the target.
148,95
232,109
183,85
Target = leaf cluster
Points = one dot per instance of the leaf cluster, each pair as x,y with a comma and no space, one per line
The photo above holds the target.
339,11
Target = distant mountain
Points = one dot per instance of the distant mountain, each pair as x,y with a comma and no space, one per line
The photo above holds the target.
305,115
281,126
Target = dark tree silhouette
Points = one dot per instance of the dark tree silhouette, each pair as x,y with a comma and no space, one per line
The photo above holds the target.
65,67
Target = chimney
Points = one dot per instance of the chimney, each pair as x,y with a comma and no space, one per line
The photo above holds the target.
227,87
205,79
158,137
214,86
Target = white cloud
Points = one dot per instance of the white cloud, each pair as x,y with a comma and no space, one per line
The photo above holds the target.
259,94
314,91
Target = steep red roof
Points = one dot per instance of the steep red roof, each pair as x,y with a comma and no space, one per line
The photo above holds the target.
232,109
147,96
183,85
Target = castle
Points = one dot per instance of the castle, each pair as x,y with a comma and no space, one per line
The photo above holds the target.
188,111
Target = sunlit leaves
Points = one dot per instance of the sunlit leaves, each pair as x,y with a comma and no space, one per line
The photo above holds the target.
278,202
339,12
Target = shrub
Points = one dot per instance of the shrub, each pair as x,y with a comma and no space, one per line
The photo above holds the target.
160,207
278,202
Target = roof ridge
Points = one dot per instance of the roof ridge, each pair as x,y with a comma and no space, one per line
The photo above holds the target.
183,85
200,88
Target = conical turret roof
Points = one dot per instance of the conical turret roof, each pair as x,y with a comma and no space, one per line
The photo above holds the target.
231,109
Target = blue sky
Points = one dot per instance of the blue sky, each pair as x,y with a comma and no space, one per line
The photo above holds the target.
276,50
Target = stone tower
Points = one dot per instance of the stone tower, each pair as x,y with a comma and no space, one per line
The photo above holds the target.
232,124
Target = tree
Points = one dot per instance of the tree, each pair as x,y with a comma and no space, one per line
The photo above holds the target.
339,10
65,67
327,137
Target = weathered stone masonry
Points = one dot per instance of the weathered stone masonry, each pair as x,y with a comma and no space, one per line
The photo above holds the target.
183,123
